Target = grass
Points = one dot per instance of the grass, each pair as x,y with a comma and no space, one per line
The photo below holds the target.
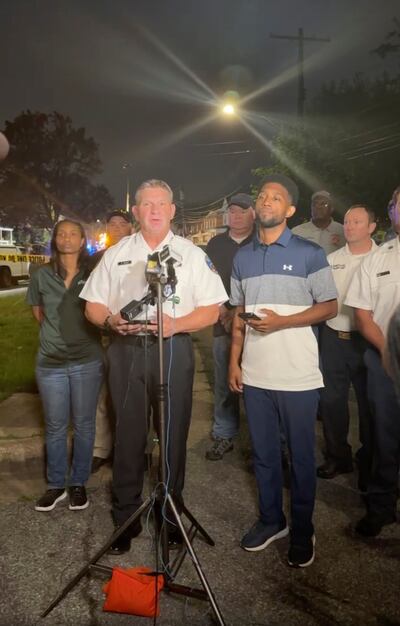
19,334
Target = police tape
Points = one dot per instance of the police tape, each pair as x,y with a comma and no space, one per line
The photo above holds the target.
25,258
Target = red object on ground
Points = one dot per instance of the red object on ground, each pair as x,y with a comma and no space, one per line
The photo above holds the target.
133,591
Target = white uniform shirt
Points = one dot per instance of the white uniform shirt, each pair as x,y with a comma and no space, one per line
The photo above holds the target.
376,284
120,277
330,238
344,265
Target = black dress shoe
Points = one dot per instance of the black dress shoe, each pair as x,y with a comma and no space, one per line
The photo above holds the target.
330,469
371,525
120,545
175,538
97,463
123,542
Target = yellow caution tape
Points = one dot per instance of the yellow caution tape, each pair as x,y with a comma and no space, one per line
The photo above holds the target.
25,258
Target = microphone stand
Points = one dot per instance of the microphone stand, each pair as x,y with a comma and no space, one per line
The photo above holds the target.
162,496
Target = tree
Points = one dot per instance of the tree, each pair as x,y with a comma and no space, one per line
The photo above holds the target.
391,45
49,170
348,144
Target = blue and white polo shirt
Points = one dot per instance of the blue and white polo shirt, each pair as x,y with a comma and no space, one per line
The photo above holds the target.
288,277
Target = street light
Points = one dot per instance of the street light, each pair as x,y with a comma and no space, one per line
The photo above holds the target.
228,109
229,105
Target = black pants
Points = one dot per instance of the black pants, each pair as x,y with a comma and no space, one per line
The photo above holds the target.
342,365
131,363
383,486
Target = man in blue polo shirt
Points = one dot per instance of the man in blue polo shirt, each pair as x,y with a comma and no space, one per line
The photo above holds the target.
286,281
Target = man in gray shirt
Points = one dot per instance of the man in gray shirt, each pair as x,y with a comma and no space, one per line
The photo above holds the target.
322,229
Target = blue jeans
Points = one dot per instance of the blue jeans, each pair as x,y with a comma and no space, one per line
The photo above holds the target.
226,403
68,392
267,411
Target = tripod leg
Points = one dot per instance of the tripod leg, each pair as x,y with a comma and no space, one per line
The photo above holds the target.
178,561
74,581
196,563
199,527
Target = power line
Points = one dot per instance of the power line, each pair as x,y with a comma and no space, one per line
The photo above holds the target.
359,156
368,132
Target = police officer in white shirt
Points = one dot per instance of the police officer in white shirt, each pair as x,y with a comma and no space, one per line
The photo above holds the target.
322,229
133,354
375,294
342,353
391,357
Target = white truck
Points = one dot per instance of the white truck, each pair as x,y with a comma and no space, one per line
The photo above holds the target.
15,263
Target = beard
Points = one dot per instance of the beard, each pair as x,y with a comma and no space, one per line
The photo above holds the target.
269,223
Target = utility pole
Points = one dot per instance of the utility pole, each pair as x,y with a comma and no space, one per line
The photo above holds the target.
300,38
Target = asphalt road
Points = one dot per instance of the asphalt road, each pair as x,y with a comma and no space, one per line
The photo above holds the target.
352,582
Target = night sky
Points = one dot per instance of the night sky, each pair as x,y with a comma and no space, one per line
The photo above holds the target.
136,74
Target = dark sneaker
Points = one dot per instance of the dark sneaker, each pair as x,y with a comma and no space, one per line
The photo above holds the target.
302,554
261,535
371,525
78,498
219,448
49,500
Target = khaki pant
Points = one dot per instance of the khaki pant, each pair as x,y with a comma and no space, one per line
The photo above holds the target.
104,440
105,421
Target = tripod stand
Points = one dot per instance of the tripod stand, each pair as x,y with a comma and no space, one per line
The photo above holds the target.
160,494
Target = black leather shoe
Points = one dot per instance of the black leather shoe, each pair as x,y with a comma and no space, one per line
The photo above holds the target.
97,463
175,538
123,542
120,545
371,525
330,469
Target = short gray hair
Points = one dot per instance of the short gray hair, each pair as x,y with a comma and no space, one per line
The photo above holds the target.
152,183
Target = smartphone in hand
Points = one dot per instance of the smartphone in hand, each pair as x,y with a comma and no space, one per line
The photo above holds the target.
249,316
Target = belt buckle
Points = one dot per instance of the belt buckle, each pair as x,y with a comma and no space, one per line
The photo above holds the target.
344,335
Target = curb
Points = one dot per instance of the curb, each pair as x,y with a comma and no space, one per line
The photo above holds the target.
21,450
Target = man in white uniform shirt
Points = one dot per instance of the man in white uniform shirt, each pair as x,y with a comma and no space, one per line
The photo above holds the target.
375,294
322,229
133,354
342,353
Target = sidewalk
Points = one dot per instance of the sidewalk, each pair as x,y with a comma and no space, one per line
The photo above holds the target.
351,582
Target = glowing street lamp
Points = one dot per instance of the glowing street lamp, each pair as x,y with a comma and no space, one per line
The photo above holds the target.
228,109
229,104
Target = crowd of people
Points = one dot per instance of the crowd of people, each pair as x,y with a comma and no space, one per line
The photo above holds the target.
300,316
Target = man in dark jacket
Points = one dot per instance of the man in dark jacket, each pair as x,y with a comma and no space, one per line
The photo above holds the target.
221,249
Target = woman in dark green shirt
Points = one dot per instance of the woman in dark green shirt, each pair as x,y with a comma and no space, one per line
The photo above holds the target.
69,368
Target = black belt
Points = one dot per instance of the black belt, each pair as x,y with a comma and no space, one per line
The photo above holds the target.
148,339
343,334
